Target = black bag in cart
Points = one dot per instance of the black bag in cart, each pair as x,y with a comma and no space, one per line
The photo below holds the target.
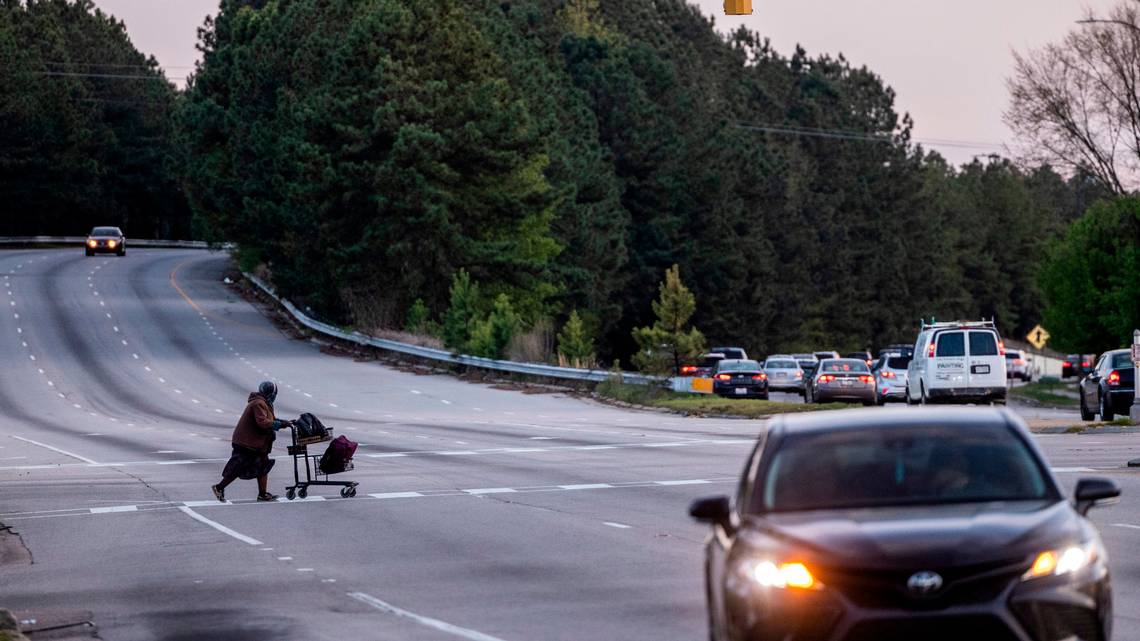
338,457
309,426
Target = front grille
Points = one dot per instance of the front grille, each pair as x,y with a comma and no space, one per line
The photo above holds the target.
933,629
1057,621
887,589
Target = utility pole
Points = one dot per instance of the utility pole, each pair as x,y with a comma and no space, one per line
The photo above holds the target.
1134,414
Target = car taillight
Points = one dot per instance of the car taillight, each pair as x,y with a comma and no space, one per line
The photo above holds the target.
1066,364
826,378
688,369
1001,348
760,377
1114,378
930,350
866,378
799,374
887,374
723,377
1019,361
1084,364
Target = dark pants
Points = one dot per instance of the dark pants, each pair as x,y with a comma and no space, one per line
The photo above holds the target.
247,464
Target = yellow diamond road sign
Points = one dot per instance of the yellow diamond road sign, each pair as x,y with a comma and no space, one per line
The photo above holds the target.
1038,337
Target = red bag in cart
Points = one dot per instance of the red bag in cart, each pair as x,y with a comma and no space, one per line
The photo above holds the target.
338,457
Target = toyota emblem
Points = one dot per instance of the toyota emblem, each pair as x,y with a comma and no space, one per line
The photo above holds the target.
924,583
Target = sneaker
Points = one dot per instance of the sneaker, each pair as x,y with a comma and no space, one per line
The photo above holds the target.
219,493
267,497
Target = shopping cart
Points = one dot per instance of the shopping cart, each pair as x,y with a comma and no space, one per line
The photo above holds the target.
299,450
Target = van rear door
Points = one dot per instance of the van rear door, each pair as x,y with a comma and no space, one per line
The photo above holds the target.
950,360
987,365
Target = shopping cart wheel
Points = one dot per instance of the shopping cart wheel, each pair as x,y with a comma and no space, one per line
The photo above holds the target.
345,492
290,493
303,492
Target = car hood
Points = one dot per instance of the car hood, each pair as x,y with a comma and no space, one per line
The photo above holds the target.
942,535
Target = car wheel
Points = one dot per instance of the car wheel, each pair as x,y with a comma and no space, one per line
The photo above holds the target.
89,252
1086,413
1106,413
764,397
122,252
922,395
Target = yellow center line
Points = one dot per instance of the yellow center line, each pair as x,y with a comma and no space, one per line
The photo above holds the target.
190,301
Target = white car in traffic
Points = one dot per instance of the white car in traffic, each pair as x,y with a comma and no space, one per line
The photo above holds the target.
960,362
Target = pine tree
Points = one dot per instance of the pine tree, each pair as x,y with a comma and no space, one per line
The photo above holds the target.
668,343
419,318
575,347
462,317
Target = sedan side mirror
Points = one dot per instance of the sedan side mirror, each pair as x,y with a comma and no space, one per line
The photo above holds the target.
714,511
1094,492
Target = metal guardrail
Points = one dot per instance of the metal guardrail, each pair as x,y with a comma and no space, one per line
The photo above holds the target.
530,369
79,240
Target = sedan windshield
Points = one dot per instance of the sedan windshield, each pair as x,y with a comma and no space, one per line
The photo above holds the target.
105,231
782,365
845,365
738,366
915,465
1122,361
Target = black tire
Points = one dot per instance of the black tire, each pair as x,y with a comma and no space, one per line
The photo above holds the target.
1106,413
122,252
764,397
1086,414
906,396
922,400
303,492
290,494
344,492
89,252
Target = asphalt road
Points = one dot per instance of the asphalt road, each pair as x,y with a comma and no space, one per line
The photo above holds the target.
482,513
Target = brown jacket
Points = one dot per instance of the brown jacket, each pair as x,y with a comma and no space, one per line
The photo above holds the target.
255,427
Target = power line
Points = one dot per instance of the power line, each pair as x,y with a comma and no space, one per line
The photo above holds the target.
860,136
69,74
115,65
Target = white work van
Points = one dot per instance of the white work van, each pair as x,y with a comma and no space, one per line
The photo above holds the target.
962,362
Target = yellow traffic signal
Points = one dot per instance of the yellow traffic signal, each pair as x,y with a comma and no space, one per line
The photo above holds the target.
737,7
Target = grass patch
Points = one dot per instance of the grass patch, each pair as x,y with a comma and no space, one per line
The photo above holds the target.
651,396
1047,391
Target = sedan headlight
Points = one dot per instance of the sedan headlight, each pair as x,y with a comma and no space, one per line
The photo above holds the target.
1062,561
770,574
111,243
91,243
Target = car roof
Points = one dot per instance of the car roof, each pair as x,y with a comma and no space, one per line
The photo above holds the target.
820,422
1114,352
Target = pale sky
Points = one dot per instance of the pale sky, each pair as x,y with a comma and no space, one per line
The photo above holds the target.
946,59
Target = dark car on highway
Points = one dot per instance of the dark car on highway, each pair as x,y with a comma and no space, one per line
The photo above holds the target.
740,379
731,353
917,525
1110,387
106,240
1077,365
840,379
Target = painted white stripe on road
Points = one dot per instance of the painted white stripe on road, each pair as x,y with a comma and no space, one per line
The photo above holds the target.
56,450
1072,470
396,495
491,490
429,622
620,526
686,482
585,486
219,527
204,503
117,508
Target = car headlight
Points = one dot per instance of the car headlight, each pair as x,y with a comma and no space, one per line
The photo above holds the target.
1062,561
91,243
770,574
110,243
